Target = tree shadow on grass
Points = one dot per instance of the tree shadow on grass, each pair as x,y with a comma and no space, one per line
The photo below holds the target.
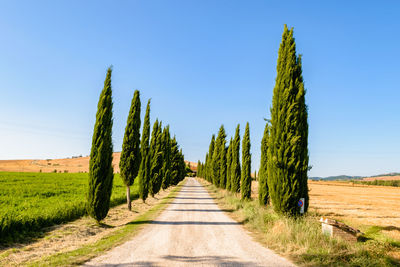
104,225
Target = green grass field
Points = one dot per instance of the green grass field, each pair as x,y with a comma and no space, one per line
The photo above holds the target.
31,201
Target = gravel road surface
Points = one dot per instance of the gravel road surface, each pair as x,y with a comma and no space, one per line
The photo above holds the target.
191,231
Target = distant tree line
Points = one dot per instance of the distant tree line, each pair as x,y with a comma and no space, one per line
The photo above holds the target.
157,161
284,147
395,183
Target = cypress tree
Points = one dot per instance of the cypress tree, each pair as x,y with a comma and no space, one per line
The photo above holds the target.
288,143
203,173
155,159
101,173
144,171
210,159
255,175
166,169
228,165
218,154
174,161
198,168
235,166
130,156
245,183
263,194
223,164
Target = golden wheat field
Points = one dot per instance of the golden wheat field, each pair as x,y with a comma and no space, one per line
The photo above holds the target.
357,205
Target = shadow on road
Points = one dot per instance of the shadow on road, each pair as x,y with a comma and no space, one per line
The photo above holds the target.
191,203
202,210
195,198
213,260
183,223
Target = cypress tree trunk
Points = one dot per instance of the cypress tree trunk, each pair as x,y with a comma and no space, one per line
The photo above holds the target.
100,165
130,156
144,170
228,166
288,143
235,168
245,185
263,194
128,197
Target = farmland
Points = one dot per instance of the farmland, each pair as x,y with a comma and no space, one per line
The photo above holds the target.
30,201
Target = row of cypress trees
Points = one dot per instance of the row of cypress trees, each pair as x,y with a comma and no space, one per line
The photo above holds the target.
157,162
222,164
284,147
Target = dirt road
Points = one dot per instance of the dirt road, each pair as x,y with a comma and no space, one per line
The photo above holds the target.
192,231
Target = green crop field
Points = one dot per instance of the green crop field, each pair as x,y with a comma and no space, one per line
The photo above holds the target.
31,201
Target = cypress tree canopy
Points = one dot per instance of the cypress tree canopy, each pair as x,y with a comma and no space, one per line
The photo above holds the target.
210,159
235,166
228,165
100,165
218,155
222,175
245,186
166,147
155,159
144,171
263,194
130,156
288,143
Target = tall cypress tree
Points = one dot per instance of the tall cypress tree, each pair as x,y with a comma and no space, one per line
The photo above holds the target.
175,162
210,159
155,159
228,165
144,171
222,168
218,154
288,143
245,183
203,173
130,156
235,166
166,169
263,193
101,173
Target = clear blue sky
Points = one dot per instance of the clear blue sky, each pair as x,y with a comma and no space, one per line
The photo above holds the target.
203,63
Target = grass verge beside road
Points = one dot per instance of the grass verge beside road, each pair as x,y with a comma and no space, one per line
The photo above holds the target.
32,201
70,253
301,239
85,253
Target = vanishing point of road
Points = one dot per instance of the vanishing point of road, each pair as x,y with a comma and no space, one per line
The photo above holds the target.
191,231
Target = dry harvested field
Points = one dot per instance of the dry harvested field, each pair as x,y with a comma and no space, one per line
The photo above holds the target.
356,205
384,178
80,164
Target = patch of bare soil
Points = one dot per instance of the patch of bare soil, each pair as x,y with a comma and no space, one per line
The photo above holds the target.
70,236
